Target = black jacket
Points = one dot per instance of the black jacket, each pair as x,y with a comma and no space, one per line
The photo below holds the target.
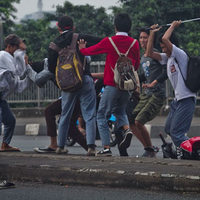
64,40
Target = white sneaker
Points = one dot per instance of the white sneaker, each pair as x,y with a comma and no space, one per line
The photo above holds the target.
104,152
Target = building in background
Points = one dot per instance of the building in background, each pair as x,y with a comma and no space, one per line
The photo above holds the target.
36,15
39,14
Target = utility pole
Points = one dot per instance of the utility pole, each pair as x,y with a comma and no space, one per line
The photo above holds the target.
1,33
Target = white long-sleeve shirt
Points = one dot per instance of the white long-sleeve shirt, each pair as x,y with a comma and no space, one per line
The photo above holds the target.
9,79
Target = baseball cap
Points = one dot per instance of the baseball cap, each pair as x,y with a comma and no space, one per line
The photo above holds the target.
12,39
65,23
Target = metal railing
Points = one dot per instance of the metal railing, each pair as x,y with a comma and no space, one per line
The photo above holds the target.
49,93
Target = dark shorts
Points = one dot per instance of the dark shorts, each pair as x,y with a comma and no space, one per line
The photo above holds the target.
147,109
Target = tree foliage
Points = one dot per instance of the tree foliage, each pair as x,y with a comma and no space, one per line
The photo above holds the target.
7,13
144,13
38,35
88,19
96,21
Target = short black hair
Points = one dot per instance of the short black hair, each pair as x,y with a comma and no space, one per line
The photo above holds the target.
12,39
123,22
173,39
65,23
144,30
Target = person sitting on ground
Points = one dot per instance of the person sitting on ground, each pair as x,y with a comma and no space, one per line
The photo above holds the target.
182,107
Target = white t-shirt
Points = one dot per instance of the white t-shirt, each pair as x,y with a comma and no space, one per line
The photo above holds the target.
174,74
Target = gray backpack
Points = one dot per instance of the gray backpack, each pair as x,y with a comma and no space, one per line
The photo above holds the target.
124,73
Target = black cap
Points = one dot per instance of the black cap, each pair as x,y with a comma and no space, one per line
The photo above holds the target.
65,23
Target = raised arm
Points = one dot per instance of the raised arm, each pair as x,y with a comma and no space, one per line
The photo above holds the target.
149,51
168,33
98,75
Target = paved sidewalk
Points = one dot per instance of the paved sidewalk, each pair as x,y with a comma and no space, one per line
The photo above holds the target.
131,172
145,173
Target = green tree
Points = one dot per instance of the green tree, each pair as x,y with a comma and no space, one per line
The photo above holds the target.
88,19
7,14
144,13
38,34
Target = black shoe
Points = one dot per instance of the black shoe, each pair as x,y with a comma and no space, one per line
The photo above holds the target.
6,185
122,151
126,142
104,152
44,150
169,151
150,152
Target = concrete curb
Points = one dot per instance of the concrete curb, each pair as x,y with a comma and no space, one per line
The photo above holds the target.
41,130
31,129
168,175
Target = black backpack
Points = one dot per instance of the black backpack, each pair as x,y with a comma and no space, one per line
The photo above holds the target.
192,80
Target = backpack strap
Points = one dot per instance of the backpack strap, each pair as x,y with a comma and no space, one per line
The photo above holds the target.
72,45
54,47
179,69
116,49
74,41
130,47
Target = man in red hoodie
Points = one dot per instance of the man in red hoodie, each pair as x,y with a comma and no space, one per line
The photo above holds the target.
113,100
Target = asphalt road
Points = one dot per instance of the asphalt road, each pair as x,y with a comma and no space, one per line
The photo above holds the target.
27,143
39,191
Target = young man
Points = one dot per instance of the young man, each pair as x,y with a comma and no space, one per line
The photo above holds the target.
40,75
152,97
10,83
113,100
86,94
183,105
51,112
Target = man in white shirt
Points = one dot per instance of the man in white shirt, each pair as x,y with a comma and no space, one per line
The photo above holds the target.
10,83
183,106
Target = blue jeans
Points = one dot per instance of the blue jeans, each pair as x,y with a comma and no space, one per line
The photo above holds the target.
113,102
179,119
9,121
87,96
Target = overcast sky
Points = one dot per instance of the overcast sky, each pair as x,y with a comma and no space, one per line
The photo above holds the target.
30,6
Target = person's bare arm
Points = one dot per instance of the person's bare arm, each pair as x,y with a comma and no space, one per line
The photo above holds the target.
168,34
149,51
97,75
150,85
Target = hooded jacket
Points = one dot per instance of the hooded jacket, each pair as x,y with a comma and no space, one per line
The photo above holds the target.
65,40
